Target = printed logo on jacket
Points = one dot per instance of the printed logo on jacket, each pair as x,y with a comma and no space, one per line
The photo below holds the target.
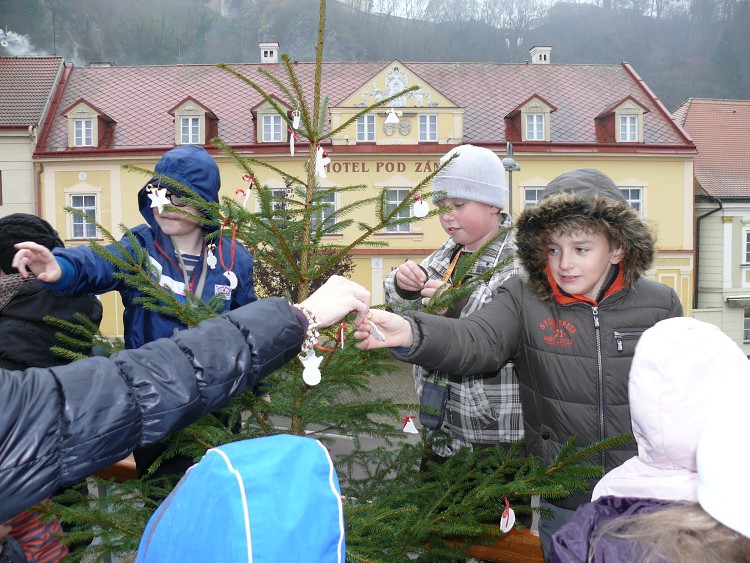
558,332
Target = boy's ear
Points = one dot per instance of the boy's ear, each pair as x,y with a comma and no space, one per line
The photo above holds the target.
495,210
617,255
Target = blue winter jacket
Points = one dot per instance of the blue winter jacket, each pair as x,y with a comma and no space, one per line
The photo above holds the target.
85,271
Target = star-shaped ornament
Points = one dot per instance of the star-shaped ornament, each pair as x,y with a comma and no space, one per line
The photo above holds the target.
158,197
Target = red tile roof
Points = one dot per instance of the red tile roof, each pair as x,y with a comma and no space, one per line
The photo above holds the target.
721,132
139,98
26,85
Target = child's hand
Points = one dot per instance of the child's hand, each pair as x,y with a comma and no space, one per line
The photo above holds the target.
337,298
395,329
410,276
431,288
37,259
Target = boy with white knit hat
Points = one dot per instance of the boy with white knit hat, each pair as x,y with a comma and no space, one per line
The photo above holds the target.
479,410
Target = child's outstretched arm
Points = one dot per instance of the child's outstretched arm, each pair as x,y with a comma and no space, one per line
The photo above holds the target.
395,330
37,259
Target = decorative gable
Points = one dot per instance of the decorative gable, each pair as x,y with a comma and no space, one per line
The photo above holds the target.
423,115
194,124
621,122
530,121
88,126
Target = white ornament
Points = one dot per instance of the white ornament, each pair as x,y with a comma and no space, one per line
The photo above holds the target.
211,258
320,163
507,520
295,119
291,143
420,208
158,198
311,373
232,277
409,426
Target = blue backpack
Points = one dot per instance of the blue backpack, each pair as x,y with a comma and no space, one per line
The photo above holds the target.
270,499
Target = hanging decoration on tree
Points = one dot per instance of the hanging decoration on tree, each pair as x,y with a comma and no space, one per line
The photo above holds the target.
311,371
229,274
293,137
295,119
321,161
210,256
158,197
409,426
508,517
420,208
245,193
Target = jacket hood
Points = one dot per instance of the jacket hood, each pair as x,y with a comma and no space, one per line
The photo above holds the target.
189,165
681,368
584,199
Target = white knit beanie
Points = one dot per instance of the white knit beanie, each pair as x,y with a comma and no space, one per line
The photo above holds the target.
724,460
476,174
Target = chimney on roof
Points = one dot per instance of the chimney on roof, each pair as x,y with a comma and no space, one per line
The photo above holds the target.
540,55
269,51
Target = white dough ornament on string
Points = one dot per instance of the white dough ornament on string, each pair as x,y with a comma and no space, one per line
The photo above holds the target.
232,277
211,257
311,372
420,208
321,161
409,426
158,197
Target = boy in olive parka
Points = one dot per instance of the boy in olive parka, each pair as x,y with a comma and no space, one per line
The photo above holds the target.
570,323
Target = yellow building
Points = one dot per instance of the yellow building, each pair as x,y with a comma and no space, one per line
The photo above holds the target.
557,117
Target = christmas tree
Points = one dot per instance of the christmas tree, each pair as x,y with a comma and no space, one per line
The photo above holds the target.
393,511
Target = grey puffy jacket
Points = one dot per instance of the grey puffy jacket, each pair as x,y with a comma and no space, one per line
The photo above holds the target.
59,425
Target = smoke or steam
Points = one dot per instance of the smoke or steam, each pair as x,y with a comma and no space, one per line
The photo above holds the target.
18,45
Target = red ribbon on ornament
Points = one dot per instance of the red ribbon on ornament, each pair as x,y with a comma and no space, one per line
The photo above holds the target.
340,338
294,134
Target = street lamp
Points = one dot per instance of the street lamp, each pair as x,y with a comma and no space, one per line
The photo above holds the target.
511,166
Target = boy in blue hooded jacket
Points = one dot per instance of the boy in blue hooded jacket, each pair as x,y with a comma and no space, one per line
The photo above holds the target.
177,249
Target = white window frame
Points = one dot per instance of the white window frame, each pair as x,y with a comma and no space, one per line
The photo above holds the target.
535,124
83,132
532,195
746,327
324,214
272,128
87,229
628,193
428,127
746,246
366,128
394,197
190,129
628,128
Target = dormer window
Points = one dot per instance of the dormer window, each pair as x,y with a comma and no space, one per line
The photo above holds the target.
621,122
88,126
530,121
628,128
535,129
270,125
83,132
194,123
189,130
272,128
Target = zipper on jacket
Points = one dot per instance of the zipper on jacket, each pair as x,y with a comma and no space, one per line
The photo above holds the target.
620,336
600,379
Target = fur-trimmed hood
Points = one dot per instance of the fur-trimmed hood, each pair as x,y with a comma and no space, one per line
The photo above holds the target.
583,199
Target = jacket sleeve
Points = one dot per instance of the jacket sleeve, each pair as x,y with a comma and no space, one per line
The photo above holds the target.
60,425
481,342
85,271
